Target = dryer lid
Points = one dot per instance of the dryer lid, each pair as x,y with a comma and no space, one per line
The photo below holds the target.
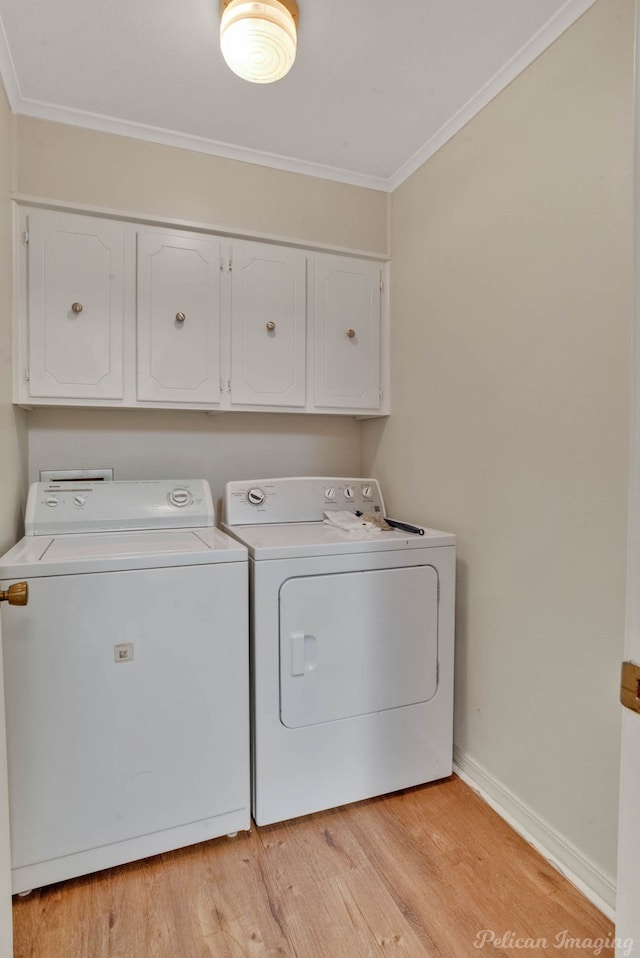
290,540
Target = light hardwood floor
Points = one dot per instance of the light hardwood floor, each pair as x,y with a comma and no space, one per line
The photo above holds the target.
415,874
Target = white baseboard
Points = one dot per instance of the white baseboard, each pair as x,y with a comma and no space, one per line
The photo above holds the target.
558,851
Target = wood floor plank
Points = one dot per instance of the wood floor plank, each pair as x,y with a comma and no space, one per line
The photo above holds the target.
309,849
414,875
220,902
327,897
487,879
422,883
381,916
347,916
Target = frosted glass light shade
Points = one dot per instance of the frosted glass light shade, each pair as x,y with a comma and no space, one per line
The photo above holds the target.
258,39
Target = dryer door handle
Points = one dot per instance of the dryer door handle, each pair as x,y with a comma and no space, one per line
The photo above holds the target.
303,653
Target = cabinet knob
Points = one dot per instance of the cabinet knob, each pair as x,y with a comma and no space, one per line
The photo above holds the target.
351,333
180,317
271,327
76,307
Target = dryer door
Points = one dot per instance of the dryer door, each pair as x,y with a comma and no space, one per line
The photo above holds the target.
353,643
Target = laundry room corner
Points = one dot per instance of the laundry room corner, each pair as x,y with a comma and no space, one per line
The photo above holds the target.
511,295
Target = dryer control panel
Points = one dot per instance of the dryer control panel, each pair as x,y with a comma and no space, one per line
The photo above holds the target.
298,499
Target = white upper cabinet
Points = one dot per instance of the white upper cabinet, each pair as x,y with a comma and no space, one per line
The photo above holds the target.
347,307
127,313
268,325
178,318
74,306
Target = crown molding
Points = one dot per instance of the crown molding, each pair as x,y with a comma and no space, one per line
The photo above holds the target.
8,71
42,110
107,124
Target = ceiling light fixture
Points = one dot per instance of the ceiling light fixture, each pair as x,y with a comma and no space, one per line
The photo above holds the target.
258,39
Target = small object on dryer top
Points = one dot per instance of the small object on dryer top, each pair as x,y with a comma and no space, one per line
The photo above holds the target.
377,520
405,527
351,523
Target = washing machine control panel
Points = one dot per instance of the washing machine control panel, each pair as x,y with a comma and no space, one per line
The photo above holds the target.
59,508
180,497
300,499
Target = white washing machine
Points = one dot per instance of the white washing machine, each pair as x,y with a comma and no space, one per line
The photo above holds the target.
352,647
126,677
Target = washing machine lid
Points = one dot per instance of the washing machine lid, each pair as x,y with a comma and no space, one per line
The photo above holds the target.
290,540
118,551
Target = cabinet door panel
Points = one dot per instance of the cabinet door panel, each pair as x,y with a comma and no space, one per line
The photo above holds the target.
268,325
75,306
178,318
347,333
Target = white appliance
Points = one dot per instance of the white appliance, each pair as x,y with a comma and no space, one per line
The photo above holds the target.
352,647
126,677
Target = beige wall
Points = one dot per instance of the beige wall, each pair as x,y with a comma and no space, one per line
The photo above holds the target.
511,306
156,444
100,169
12,422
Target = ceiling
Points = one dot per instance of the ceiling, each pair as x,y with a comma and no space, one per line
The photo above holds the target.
376,88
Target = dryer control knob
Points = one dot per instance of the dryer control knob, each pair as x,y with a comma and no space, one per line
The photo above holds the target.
180,497
348,492
256,496
52,501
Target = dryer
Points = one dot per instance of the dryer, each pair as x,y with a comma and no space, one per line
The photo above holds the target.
126,677
351,646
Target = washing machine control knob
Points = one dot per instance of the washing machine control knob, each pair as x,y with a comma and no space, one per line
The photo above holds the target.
256,496
180,497
367,492
348,493
329,492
